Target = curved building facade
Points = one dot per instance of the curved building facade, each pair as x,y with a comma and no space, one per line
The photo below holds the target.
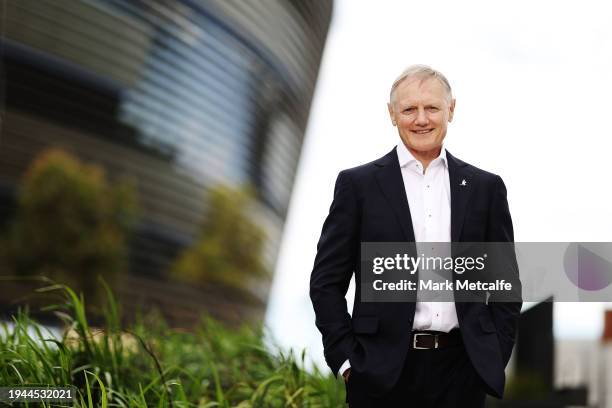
180,95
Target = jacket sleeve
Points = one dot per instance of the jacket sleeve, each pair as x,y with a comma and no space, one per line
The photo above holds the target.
505,313
336,258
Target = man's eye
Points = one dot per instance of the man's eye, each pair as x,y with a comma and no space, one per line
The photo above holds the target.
433,109
409,110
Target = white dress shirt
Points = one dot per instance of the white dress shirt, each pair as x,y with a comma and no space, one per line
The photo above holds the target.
429,200
430,208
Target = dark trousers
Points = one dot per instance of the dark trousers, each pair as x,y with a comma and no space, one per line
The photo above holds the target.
438,378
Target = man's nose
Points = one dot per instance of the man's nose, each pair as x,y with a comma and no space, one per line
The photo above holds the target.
421,118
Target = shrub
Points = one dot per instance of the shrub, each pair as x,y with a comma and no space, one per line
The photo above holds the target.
71,224
228,248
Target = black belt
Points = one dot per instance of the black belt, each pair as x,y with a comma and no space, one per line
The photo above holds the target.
426,340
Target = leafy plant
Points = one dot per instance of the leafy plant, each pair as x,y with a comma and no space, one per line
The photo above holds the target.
150,364
228,249
71,223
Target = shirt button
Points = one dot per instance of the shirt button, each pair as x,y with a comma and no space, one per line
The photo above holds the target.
429,215
428,186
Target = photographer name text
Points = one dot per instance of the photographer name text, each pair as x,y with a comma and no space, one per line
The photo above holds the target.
447,285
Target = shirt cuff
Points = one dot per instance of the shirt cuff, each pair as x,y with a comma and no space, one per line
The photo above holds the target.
345,366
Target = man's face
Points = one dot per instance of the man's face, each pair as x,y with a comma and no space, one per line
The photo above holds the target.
421,110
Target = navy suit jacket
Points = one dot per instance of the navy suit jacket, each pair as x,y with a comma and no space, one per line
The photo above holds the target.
370,205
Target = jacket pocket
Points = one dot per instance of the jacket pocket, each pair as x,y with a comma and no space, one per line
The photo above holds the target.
365,325
486,324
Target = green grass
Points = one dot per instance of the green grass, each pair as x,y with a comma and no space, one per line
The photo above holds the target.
151,365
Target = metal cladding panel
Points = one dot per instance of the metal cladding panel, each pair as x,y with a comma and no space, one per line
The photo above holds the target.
180,95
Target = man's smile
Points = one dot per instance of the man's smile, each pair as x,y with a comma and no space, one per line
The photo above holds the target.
422,132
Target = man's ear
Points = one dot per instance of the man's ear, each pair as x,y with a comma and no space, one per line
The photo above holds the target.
391,113
451,110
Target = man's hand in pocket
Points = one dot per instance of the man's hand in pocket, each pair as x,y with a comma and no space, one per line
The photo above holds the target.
346,374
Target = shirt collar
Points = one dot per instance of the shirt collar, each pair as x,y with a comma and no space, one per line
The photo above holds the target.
405,157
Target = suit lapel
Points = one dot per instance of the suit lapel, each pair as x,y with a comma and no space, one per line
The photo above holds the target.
389,178
461,187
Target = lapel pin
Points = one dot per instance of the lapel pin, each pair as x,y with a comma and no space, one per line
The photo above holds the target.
463,183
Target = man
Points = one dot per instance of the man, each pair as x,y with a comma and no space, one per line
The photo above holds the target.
413,354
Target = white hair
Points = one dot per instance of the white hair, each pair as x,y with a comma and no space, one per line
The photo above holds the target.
422,72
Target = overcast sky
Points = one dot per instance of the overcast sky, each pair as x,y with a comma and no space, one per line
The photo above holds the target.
533,83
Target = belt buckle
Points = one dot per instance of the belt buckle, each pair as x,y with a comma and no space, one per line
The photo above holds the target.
414,341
